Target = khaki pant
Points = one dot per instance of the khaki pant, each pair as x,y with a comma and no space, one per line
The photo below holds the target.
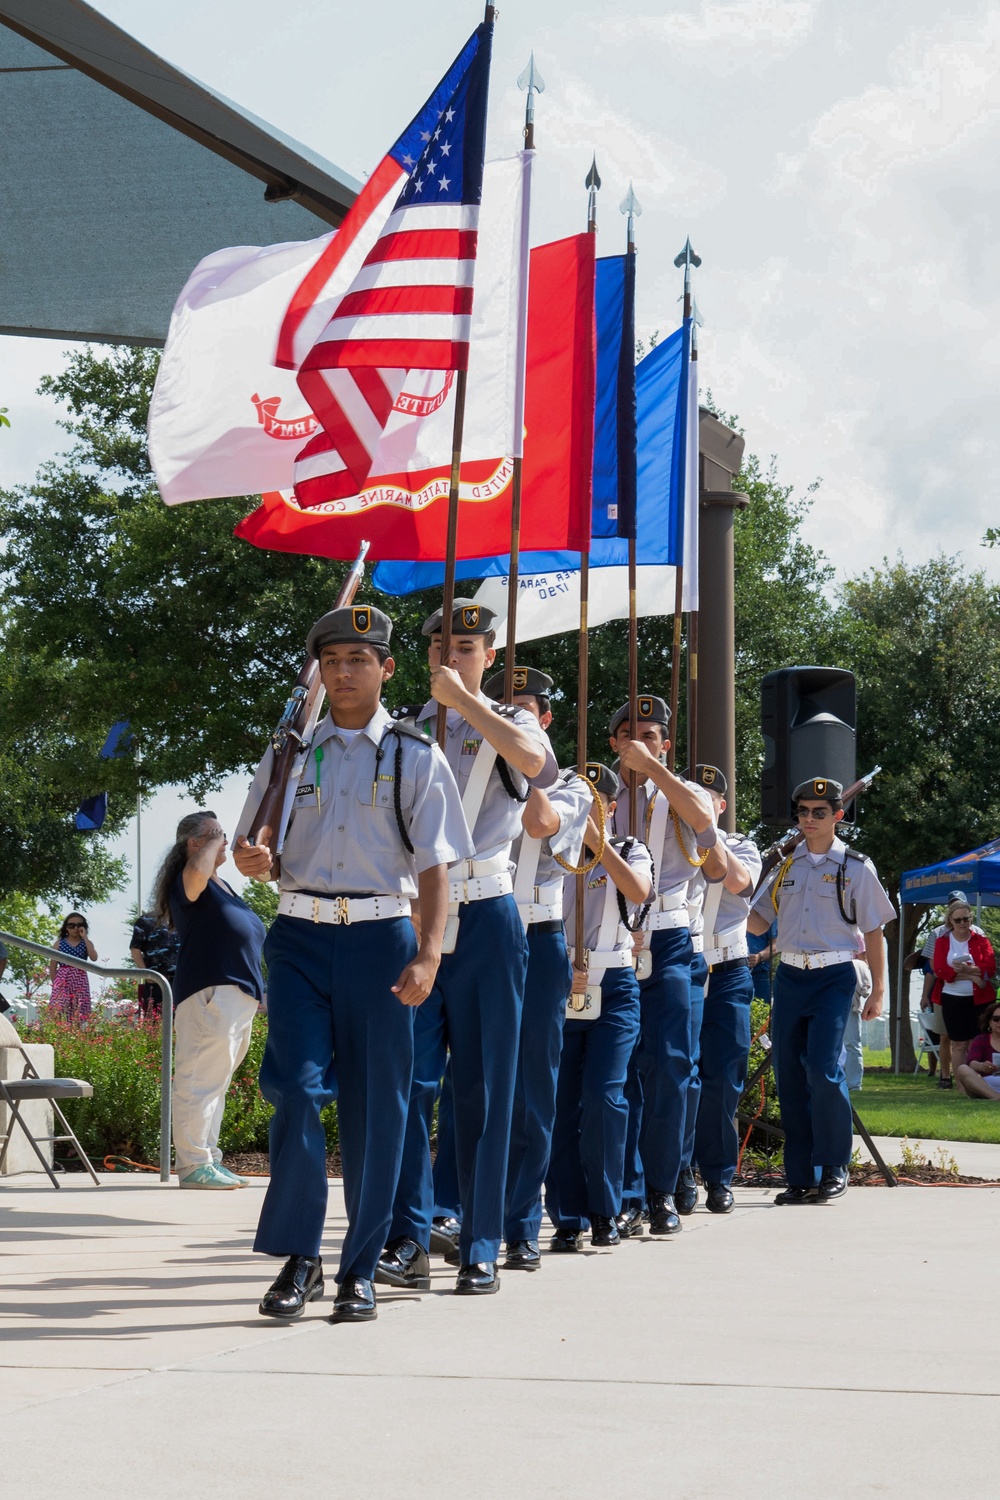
212,1034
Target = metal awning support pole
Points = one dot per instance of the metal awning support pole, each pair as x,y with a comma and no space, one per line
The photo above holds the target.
900,973
166,1022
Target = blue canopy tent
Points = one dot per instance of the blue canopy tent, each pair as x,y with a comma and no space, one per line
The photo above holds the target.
976,873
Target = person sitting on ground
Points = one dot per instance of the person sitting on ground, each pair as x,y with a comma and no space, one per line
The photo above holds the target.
965,969
217,988
979,1075
70,993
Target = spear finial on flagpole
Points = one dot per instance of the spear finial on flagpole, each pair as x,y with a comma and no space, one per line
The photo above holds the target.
687,259
593,186
531,82
631,206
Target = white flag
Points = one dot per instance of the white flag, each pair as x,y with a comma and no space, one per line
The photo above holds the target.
549,603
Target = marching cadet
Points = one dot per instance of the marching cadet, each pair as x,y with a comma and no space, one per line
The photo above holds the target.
673,815
827,897
730,873
553,822
584,1181
377,819
475,1011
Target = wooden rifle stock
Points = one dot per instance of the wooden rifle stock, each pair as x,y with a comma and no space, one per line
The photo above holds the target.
782,848
298,719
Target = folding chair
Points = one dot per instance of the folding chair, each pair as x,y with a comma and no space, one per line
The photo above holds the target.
924,1043
29,1086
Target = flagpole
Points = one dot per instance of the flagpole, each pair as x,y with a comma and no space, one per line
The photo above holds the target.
138,830
454,487
692,715
630,206
532,82
687,259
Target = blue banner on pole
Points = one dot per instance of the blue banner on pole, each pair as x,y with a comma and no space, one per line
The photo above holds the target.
91,813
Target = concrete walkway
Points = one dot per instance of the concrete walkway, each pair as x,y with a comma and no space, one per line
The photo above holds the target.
775,1353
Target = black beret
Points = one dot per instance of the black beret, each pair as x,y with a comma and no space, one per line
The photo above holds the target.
601,778
469,618
356,622
710,777
649,710
528,682
820,788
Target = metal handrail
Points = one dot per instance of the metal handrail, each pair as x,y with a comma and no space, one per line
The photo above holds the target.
167,1023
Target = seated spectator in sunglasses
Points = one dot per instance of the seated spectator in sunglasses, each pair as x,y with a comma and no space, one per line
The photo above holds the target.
70,994
979,1075
965,972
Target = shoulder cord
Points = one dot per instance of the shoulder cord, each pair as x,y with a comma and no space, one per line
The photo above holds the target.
601,828
643,912
397,804
779,882
694,863
841,884
507,781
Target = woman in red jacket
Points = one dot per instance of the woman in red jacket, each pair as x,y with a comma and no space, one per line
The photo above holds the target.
965,969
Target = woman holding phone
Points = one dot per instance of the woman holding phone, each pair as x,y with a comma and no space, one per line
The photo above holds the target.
965,971
217,988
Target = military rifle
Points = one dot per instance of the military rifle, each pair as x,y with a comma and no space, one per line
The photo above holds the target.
783,847
299,717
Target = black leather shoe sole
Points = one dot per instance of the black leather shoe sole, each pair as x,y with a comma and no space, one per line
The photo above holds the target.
686,1205
353,1313
796,1197
443,1244
717,1206
831,1194
477,1289
518,1264
312,1295
663,1231
385,1276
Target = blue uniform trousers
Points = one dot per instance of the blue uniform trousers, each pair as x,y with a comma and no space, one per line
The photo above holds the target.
547,987
657,1089
588,1146
699,976
474,1011
725,1047
808,1019
330,1006
447,1204
634,1180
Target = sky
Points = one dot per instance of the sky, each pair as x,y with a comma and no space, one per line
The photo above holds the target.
833,162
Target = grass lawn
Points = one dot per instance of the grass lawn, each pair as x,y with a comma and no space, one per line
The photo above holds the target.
911,1105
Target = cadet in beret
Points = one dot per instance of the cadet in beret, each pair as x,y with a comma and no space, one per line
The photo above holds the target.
673,815
496,753
553,822
721,1015
827,897
377,819
584,1182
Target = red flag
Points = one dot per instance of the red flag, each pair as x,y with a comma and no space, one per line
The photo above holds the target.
558,452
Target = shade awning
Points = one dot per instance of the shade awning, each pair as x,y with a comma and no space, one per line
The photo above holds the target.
119,172
976,873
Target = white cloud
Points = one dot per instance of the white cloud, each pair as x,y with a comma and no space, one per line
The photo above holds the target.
737,31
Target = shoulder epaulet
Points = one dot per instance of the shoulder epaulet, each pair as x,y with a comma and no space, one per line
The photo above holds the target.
850,853
404,711
505,710
411,731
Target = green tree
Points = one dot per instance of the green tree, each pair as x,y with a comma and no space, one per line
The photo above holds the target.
27,918
924,644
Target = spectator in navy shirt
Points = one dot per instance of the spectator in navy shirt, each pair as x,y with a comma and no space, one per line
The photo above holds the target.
217,988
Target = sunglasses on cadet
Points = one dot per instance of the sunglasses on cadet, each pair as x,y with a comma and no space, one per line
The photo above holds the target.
816,814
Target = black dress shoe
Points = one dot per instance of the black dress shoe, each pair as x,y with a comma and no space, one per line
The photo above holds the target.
603,1231
354,1302
478,1279
522,1255
629,1222
718,1198
832,1184
444,1238
566,1239
299,1281
404,1263
795,1196
686,1196
663,1218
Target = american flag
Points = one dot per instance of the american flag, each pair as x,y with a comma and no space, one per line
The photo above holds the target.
396,283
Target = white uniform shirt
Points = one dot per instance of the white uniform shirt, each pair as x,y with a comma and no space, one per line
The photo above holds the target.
809,917
572,801
673,859
595,896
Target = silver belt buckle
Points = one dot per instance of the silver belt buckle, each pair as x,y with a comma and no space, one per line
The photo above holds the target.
341,910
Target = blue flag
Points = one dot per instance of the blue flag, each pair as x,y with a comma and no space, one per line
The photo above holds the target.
661,414
613,512
91,813
118,742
